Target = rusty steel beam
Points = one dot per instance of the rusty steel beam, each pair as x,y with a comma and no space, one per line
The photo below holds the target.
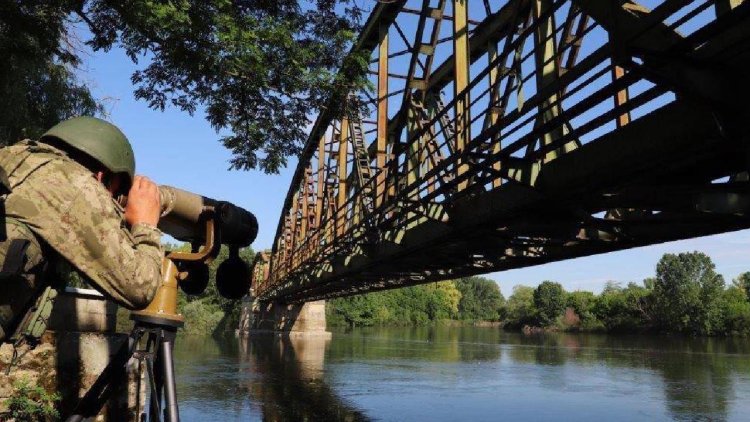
490,30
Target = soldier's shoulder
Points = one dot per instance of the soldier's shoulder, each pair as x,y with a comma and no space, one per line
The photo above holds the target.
16,148
56,170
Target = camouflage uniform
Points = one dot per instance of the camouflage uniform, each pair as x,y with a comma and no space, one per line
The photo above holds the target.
72,216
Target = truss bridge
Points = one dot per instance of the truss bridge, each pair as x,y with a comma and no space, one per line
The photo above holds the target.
505,134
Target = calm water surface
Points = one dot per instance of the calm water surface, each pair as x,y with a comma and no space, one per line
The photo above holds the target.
476,374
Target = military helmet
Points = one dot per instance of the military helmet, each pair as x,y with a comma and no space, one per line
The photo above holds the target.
98,139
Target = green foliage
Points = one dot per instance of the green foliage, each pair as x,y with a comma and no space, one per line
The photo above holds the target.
584,304
549,300
649,283
735,311
520,307
202,316
416,305
481,299
687,294
743,283
258,68
31,403
624,309
38,87
450,297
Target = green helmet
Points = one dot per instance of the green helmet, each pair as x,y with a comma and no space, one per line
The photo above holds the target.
98,139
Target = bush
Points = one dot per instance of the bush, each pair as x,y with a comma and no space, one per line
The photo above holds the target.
625,309
31,403
736,312
202,317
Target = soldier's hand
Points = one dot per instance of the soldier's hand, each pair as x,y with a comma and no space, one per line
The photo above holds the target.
144,204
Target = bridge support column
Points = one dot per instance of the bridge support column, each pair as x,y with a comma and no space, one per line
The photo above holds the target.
293,320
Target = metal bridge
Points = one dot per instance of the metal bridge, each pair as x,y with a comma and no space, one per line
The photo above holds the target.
505,134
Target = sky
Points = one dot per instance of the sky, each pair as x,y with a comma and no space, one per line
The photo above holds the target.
177,149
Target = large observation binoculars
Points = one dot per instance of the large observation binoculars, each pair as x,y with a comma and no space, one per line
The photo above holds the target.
206,224
184,215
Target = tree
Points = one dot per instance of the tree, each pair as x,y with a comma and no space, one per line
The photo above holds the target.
38,87
445,300
743,283
481,299
649,282
549,300
736,311
582,303
520,306
624,309
258,68
687,293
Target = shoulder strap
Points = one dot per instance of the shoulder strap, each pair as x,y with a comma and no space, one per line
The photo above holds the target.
4,182
16,256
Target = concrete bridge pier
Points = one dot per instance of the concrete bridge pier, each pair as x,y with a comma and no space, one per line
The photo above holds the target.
292,320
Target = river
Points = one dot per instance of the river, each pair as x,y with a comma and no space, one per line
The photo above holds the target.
466,373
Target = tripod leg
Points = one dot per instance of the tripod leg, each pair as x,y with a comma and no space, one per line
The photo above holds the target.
108,380
154,404
171,411
157,383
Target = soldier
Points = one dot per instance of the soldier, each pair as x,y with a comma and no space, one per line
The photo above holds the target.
61,209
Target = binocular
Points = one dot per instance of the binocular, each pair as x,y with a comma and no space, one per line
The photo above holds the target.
183,216
207,224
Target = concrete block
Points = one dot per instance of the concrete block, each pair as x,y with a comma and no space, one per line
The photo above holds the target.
78,345
292,320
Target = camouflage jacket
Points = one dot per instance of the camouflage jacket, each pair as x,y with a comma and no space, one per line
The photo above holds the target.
75,217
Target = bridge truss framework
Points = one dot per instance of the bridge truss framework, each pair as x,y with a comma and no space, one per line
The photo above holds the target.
507,134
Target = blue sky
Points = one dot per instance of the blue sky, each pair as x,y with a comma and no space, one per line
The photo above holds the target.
176,149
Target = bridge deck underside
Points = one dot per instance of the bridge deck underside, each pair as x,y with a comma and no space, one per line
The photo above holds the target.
676,171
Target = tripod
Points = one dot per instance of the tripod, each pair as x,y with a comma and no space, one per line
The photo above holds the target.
159,334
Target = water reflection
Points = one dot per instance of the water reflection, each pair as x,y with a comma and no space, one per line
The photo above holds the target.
286,378
443,373
697,374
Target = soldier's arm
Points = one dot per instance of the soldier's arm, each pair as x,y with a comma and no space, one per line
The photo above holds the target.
123,263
